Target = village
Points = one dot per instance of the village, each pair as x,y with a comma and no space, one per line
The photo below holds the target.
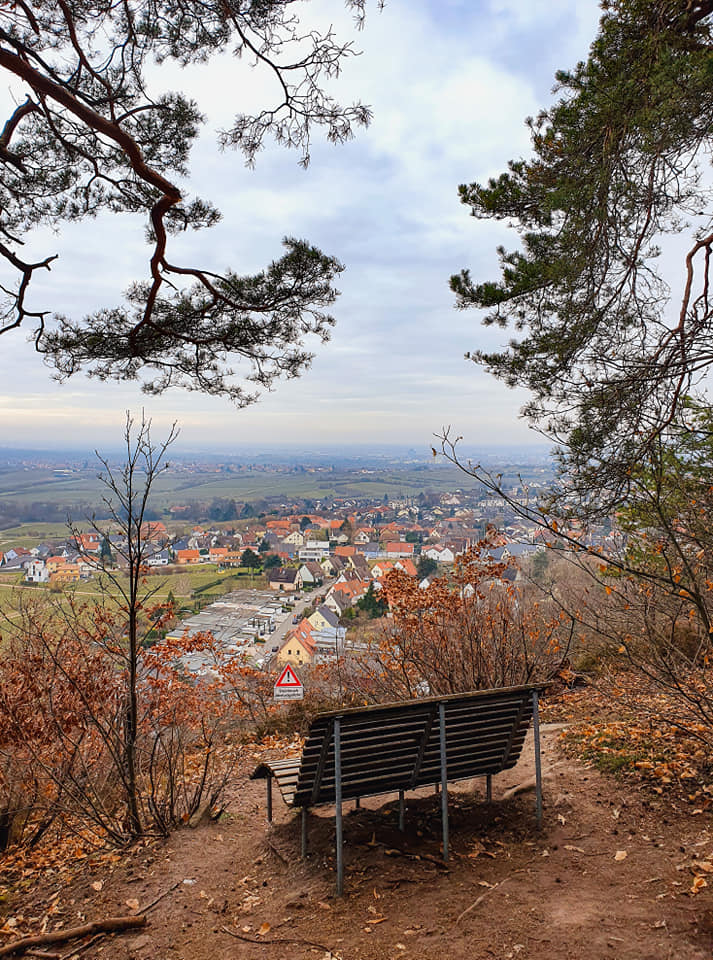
311,575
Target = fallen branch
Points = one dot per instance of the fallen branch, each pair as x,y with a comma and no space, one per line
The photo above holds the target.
83,947
480,899
110,925
153,903
277,853
308,943
395,852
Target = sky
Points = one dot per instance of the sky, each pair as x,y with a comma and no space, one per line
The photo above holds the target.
450,83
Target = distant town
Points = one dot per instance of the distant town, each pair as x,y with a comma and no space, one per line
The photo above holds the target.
315,564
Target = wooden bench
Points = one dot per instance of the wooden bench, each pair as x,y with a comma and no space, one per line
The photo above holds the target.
367,751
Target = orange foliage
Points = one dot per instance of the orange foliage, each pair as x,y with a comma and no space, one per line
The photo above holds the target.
474,629
63,696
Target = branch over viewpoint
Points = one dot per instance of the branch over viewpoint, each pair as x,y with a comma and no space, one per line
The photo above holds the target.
619,162
87,136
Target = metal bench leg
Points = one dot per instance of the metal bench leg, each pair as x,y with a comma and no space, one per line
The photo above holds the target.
357,803
444,779
269,799
338,802
304,833
489,788
538,761
402,811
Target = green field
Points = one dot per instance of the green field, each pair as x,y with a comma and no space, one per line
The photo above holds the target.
190,586
82,489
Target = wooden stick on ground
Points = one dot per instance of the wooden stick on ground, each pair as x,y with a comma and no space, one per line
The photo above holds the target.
309,943
158,899
110,924
83,947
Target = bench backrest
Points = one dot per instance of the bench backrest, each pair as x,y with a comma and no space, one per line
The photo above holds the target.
397,746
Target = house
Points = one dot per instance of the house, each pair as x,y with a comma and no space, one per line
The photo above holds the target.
55,562
381,568
16,557
439,553
520,550
188,556
232,558
311,574
345,550
283,578
399,549
296,538
155,531
217,554
359,565
313,550
88,542
297,650
66,573
408,567
328,644
323,619
160,559
338,602
37,572
332,566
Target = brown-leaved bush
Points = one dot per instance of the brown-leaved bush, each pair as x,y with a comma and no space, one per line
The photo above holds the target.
475,628
63,699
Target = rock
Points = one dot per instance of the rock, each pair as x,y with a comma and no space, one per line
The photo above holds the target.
139,943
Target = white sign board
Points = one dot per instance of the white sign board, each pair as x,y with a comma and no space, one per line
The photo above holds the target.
288,686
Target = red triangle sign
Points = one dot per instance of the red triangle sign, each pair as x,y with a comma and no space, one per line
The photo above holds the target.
288,678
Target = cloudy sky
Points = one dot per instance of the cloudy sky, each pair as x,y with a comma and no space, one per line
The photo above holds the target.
450,83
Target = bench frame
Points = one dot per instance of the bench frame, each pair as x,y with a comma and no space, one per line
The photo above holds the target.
323,773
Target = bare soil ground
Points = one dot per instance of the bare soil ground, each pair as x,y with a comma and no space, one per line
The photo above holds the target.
609,876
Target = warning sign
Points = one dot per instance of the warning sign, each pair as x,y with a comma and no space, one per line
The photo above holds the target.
288,686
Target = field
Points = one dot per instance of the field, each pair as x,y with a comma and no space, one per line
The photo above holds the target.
188,585
81,489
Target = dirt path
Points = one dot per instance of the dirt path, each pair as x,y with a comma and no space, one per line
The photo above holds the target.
608,877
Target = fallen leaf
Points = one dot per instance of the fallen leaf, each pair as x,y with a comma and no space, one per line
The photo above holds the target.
698,884
561,819
265,928
132,904
377,920
621,855
568,846
97,885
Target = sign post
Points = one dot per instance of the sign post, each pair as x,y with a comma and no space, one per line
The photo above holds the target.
288,686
